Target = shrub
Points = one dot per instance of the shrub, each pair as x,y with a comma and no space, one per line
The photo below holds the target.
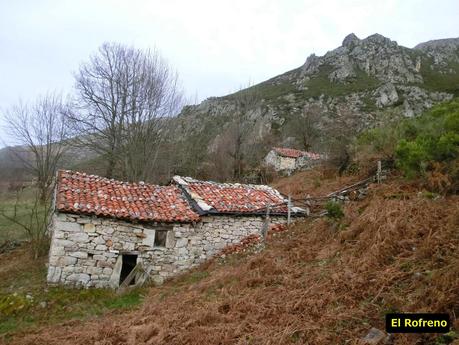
380,141
334,210
377,143
426,146
431,138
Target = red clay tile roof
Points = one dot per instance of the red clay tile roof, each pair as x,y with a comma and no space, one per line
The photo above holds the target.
212,197
293,153
94,195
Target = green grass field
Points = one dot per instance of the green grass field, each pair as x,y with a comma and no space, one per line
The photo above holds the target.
9,230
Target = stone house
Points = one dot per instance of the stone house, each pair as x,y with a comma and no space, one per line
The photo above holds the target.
102,228
288,160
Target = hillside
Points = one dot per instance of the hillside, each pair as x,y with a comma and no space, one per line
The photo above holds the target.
360,84
369,79
318,283
14,170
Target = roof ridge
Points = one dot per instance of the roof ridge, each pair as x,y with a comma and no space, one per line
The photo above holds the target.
296,153
185,180
113,180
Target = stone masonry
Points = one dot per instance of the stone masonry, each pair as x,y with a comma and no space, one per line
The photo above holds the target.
284,163
86,251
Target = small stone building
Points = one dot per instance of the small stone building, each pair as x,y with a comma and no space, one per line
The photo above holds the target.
288,160
102,228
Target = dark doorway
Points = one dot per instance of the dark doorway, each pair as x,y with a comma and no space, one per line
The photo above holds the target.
129,262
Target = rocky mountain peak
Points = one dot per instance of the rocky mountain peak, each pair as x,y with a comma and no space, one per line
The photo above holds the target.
350,41
379,39
377,56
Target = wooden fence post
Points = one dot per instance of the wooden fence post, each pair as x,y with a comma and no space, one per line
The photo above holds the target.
266,223
289,207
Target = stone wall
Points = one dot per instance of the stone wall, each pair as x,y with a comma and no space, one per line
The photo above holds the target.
280,163
87,251
305,163
271,160
286,163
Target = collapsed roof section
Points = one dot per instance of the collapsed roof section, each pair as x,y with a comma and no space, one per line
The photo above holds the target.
210,197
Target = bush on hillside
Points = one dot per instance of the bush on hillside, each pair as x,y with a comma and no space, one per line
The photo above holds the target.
376,144
334,210
380,141
433,137
425,146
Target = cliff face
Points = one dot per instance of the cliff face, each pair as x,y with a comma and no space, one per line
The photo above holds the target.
369,78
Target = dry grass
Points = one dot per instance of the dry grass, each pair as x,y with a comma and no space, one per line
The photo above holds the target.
316,182
396,251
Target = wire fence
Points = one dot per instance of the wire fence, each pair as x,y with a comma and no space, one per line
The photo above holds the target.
314,206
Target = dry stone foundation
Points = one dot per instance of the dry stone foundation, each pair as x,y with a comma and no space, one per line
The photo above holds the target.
87,251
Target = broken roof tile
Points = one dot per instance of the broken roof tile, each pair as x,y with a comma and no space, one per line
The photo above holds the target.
213,197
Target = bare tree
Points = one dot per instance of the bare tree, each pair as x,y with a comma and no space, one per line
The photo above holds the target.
124,95
236,136
33,218
219,164
40,132
307,127
341,130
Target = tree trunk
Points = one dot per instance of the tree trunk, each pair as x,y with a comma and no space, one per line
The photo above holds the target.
110,168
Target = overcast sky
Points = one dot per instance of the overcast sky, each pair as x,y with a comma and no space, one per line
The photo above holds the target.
216,45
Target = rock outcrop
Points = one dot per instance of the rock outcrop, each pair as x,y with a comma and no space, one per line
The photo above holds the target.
366,77
442,51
